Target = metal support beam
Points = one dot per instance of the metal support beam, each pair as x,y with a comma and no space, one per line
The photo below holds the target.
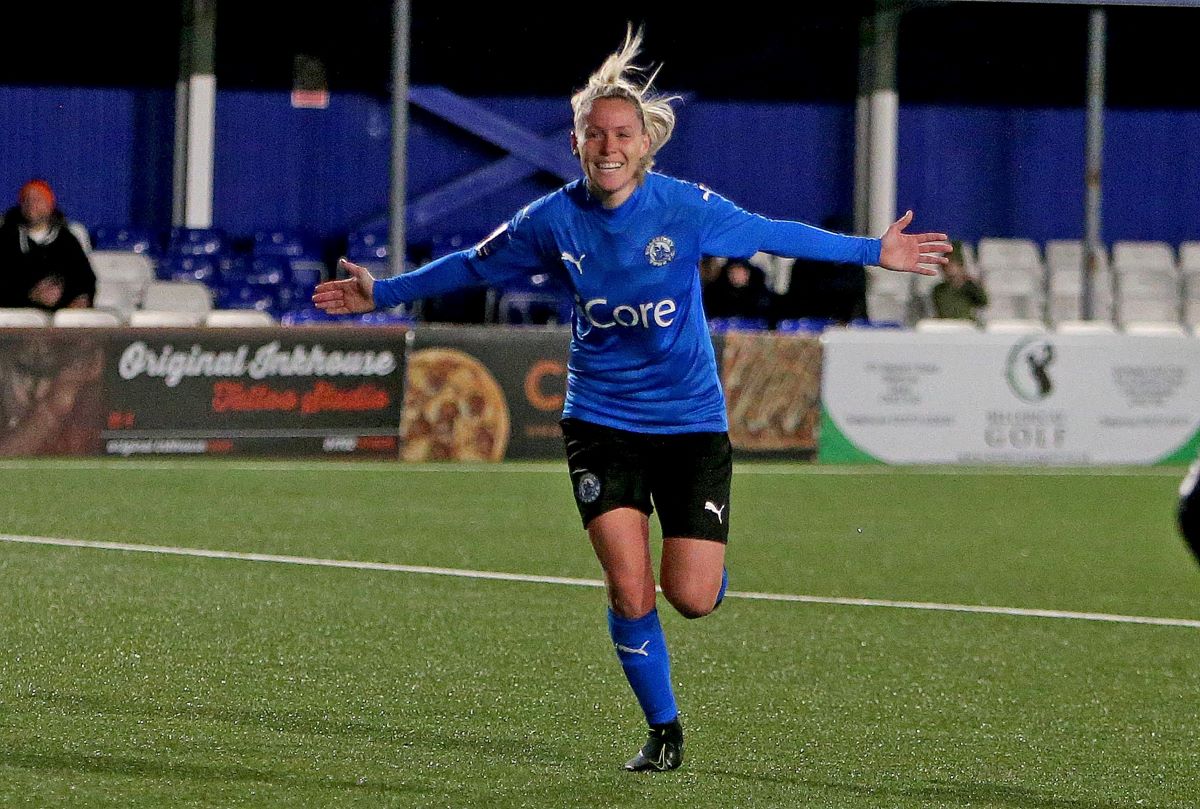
195,116
397,208
884,120
1095,149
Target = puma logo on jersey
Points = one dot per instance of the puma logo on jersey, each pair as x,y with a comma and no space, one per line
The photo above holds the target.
641,650
711,506
578,262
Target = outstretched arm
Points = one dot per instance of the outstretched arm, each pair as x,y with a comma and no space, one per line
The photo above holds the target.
921,253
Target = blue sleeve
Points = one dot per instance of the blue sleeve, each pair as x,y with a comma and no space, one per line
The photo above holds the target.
512,251
732,232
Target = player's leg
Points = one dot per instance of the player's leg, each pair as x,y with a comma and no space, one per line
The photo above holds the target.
613,498
692,497
1189,509
693,575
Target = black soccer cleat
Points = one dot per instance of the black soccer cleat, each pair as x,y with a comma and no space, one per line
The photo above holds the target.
662,751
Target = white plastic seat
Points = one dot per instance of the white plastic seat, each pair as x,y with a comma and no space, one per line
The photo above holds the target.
23,318
1067,255
1014,326
1065,294
885,306
938,325
122,267
1004,306
1009,254
881,281
238,318
1085,327
1132,309
1189,256
1129,255
1155,328
177,296
85,318
156,318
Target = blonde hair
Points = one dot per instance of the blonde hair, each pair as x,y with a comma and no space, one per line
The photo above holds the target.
618,77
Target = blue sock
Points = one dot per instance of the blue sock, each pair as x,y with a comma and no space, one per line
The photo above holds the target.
642,650
724,587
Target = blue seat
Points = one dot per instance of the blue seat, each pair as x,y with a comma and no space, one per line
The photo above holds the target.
205,269
446,243
367,245
297,244
805,325
738,324
306,273
131,239
235,295
197,242
876,324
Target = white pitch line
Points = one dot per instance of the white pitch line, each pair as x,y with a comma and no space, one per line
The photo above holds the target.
534,579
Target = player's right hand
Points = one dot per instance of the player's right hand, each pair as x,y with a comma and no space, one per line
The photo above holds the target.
350,296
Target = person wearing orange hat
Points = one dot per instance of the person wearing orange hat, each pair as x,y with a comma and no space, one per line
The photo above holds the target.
42,264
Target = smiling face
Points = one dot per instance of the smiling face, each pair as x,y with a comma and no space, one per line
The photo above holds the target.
611,149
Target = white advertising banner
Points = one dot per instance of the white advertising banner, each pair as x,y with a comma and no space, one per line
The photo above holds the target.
1037,399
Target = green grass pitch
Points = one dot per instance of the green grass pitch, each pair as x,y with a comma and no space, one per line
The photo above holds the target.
149,680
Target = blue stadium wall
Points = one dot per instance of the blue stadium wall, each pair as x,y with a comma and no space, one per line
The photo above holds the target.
974,171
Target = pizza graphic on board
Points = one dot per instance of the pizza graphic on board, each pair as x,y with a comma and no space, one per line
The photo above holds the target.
454,410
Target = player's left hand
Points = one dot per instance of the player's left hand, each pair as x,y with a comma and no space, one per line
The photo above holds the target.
921,253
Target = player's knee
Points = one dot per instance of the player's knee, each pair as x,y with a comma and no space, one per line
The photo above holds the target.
631,603
691,603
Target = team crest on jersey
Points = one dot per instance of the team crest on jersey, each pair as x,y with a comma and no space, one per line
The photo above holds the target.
660,251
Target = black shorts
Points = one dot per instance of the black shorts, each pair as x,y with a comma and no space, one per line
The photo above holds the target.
685,476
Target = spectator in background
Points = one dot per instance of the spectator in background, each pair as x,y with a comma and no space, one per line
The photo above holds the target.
823,289
42,264
958,295
739,290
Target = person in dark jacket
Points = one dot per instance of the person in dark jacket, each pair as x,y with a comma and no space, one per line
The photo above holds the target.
42,264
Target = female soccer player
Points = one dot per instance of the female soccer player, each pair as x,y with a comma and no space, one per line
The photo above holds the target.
644,419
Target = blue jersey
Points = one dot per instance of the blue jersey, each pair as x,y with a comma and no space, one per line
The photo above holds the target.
641,355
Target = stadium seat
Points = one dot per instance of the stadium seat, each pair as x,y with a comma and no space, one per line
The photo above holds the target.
177,296
1014,326
533,308
804,325
307,273
197,242
1133,255
1009,254
125,239
446,243
1151,328
121,266
121,279
1067,255
203,269
153,318
238,318
23,318
1065,300
362,246
936,325
1085,327
85,318
885,306
292,244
